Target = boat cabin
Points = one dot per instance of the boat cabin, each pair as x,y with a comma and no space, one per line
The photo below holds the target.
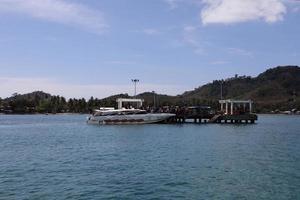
119,112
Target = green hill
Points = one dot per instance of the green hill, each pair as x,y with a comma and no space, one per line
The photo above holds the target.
276,88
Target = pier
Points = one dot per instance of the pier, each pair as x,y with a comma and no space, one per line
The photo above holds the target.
195,114
235,111
231,112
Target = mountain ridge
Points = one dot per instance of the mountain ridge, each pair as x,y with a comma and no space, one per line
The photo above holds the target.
276,88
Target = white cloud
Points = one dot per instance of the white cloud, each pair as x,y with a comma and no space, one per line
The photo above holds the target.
190,38
119,62
190,28
296,9
10,85
240,51
151,31
174,3
293,5
58,11
219,62
189,35
235,11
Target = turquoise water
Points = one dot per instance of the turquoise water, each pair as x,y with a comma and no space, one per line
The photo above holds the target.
61,157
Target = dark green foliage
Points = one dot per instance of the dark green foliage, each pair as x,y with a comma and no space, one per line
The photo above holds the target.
35,102
276,88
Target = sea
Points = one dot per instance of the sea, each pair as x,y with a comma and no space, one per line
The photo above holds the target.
62,157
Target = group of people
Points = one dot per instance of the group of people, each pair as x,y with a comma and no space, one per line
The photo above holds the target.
167,109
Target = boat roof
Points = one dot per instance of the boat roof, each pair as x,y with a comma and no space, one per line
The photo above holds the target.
201,107
118,110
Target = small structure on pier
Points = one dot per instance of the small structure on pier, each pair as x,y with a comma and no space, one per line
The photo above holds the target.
237,107
235,111
120,102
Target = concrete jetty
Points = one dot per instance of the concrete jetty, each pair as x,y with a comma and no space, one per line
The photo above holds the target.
231,112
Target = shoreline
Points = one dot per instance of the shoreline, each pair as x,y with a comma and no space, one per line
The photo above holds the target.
90,113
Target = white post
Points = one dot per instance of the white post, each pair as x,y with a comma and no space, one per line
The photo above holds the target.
119,104
226,108
222,107
231,108
250,107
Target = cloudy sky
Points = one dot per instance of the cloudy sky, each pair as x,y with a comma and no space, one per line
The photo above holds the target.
83,48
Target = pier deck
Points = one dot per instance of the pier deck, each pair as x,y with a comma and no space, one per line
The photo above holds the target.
236,119
217,118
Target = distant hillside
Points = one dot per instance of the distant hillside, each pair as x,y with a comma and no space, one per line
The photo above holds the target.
37,101
276,88
33,96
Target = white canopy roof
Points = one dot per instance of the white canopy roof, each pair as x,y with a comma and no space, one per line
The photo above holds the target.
231,103
235,101
120,101
129,100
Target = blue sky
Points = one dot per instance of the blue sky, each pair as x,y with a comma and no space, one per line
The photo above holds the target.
83,48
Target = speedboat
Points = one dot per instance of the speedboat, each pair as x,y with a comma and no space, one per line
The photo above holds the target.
126,116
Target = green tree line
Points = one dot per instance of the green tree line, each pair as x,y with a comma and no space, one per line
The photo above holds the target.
38,103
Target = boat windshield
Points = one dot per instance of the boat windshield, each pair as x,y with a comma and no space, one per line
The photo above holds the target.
120,112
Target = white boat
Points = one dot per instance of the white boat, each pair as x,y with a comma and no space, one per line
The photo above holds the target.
126,116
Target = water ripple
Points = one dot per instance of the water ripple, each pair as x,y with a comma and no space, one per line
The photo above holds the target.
61,157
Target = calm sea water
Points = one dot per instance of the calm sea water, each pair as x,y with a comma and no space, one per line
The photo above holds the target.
61,157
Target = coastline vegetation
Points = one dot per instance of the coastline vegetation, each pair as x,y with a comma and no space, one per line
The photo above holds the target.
275,89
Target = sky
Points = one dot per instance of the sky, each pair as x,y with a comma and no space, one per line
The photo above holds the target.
84,48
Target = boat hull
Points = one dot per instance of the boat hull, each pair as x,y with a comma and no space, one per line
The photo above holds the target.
149,118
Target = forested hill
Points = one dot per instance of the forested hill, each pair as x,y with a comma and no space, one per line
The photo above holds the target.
276,88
